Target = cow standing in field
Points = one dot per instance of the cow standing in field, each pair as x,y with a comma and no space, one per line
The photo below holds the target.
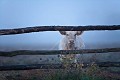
71,41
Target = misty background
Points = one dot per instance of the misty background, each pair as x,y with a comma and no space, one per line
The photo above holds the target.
28,13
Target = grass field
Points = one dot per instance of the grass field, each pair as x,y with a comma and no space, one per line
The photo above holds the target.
92,72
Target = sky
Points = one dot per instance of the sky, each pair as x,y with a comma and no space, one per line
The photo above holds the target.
28,13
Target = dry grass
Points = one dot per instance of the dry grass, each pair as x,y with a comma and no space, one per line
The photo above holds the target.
92,72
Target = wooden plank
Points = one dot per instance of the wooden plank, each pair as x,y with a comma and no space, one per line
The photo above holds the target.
58,28
56,52
56,66
29,67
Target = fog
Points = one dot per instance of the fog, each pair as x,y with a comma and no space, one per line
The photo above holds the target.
25,13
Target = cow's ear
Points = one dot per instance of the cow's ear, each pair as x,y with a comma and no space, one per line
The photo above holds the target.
63,32
79,32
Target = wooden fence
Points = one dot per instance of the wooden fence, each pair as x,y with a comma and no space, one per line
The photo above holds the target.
55,52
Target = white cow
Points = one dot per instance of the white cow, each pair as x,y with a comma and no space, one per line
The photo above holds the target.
71,41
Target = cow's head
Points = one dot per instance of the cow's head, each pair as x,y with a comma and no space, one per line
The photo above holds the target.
71,38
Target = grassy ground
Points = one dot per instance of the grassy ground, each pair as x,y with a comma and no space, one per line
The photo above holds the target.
92,72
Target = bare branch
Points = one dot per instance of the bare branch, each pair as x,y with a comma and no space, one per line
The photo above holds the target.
58,28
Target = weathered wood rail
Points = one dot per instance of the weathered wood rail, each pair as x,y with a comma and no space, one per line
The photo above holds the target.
58,28
55,52
57,66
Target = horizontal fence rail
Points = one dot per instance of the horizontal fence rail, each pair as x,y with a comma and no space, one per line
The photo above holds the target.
56,52
58,28
57,66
